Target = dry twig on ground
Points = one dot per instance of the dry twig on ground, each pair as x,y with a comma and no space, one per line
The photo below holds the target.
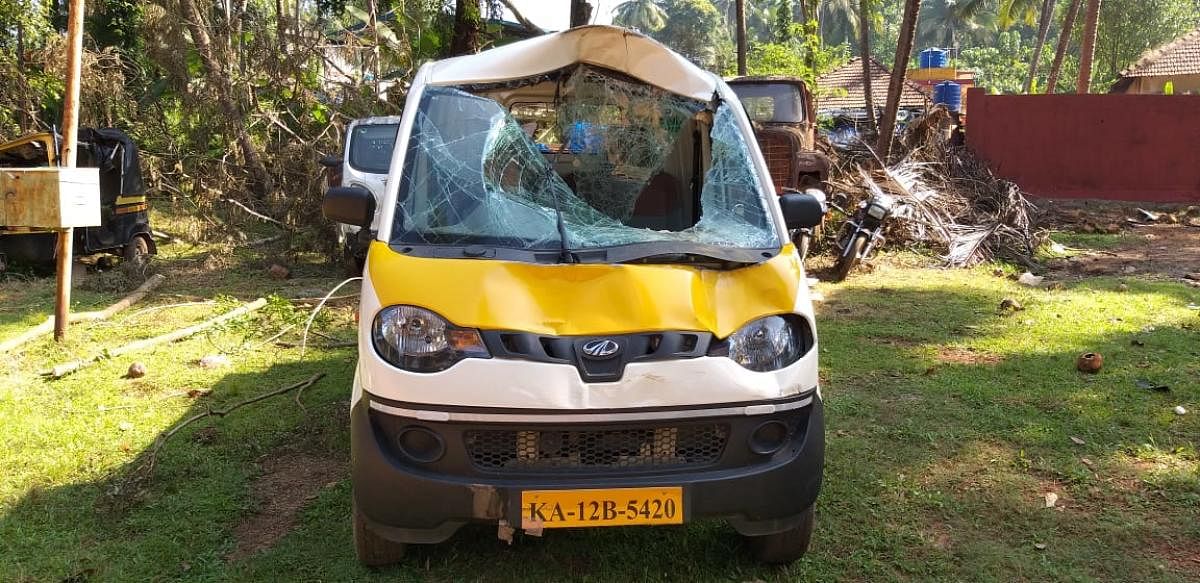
146,468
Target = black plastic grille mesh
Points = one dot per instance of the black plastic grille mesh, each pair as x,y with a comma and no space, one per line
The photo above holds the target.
510,450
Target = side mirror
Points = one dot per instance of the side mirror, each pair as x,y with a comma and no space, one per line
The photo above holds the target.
330,161
351,205
802,210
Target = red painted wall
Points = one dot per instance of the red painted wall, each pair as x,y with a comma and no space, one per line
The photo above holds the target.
1120,147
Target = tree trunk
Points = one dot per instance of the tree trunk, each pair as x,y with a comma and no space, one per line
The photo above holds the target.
219,80
740,10
864,47
465,39
280,27
581,13
1087,49
908,30
1043,30
1064,39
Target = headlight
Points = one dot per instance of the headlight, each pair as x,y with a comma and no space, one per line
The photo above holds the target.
418,340
766,344
880,206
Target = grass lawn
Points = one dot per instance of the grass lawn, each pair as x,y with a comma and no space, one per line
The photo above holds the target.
948,423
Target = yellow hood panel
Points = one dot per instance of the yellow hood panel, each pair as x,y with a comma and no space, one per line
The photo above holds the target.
583,299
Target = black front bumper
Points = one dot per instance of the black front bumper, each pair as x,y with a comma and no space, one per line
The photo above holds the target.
426,502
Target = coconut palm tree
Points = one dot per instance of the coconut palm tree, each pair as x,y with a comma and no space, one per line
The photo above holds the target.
1043,29
1088,49
864,47
1064,39
908,31
1013,11
838,20
642,15
947,23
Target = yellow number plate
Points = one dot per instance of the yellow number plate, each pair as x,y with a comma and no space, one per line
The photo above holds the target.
606,507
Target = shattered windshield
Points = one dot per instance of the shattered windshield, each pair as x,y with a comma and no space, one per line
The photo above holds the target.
601,162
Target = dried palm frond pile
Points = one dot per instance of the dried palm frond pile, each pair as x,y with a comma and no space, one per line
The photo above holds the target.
946,198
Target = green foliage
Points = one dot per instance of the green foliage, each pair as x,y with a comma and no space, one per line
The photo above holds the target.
1128,29
114,23
696,30
641,15
804,56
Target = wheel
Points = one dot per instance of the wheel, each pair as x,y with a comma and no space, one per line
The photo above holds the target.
849,257
137,251
805,241
373,550
787,546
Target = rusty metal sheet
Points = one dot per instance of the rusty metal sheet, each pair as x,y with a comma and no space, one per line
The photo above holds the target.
51,198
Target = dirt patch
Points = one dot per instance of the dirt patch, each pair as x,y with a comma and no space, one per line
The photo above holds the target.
966,356
938,534
1167,246
1182,556
288,482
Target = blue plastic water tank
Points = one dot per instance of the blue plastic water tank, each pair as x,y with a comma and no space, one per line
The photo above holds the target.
949,94
934,58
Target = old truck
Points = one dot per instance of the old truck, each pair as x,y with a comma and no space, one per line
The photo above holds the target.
782,112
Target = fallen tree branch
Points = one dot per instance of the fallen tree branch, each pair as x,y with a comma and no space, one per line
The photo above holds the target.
530,26
313,315
263,241
253,212
340,344
148,465
65,369
47,326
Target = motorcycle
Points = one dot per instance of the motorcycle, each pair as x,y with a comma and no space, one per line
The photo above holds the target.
862,232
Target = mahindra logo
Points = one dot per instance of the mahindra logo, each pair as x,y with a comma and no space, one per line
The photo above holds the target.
601,348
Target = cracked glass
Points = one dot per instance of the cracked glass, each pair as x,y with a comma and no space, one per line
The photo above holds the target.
620,161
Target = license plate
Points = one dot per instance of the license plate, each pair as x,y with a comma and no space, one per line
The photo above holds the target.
601,507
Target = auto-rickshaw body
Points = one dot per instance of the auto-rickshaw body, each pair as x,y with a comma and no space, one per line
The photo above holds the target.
581,308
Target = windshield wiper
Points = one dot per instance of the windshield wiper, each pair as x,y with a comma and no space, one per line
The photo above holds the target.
688,258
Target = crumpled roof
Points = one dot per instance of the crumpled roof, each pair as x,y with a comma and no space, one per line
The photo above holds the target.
849,78
609,47
1178,57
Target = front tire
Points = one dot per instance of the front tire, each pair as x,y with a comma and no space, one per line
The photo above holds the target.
371,549
849,257
784,547
136,252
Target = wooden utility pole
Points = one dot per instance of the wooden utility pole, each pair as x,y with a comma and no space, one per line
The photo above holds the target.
1087,50
70,146
740,9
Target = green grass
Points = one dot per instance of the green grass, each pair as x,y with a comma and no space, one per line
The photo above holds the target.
1091,240
948,421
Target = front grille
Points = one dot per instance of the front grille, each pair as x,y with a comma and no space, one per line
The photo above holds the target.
660,447
779,154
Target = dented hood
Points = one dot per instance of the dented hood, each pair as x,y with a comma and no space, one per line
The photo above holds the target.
585,299
609,47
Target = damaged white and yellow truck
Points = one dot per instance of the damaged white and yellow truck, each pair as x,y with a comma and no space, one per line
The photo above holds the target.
581,307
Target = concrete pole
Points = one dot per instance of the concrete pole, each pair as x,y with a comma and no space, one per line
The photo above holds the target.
70,145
